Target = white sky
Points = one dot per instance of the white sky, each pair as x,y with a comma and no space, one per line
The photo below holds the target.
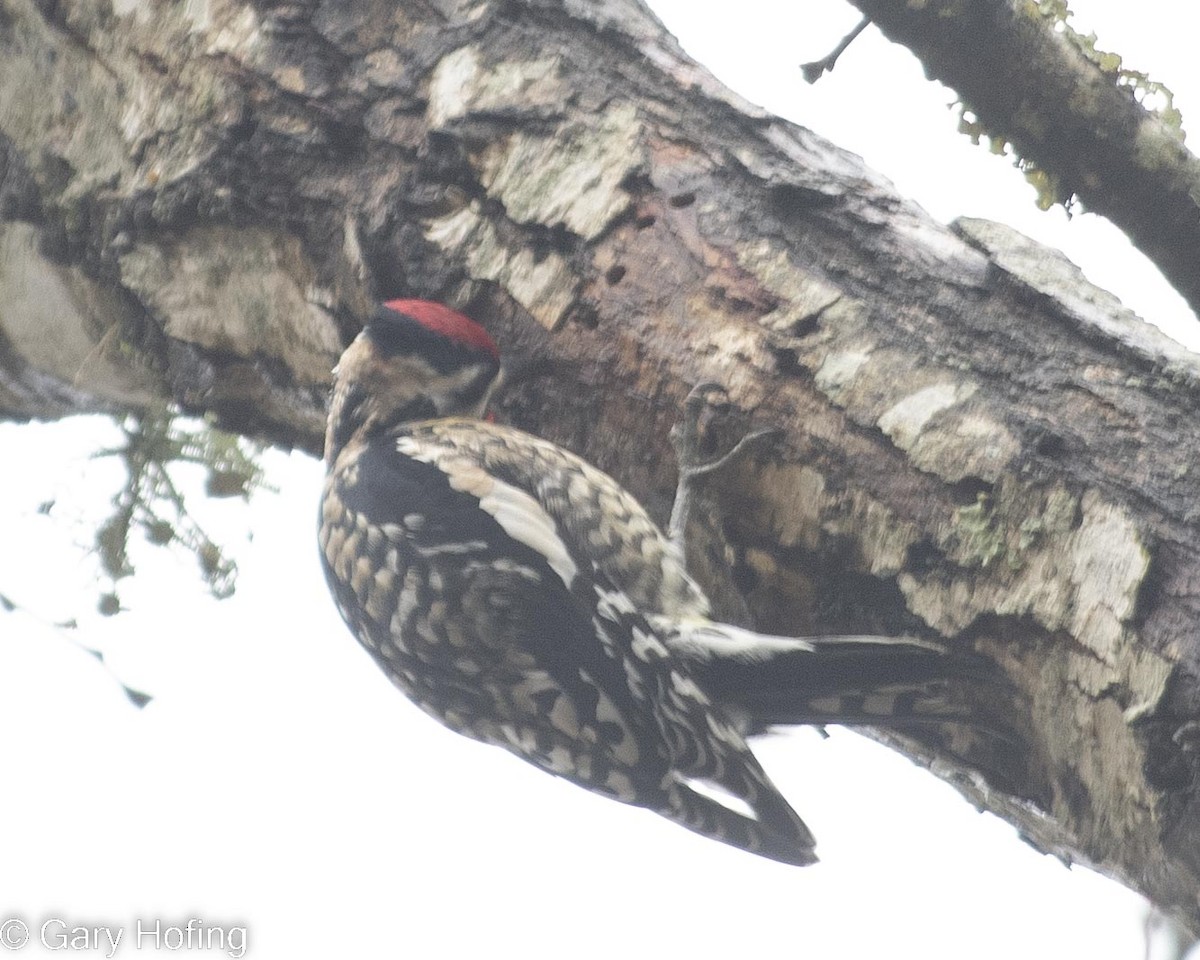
278,782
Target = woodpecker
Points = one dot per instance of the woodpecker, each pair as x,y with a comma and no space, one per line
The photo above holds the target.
523,598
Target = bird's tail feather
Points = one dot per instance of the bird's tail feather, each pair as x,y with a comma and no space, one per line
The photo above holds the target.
904,685
776,832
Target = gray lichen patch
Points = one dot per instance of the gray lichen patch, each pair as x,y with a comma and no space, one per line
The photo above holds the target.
798,512
238,34
248,292
1072,564
965,445
572,177
904,421
1092,739
978,536
1006,558
924,412
1107,564
883,538
1085,712
802,295
461,85
838,371
63,325
1146,675
795,507
799,159
1154,151
545,287
57,104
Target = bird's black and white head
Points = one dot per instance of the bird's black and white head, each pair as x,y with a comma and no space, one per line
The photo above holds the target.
414,360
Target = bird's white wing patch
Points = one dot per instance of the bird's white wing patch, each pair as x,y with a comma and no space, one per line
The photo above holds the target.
707,641
523,519
718,793
519,514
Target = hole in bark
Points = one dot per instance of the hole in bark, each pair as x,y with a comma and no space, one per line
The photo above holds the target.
1153,586
344,138
923,556
681,200
967,491
849,602
636,183
556,239
787,362
645,220
586,315
806,326
1171,760
563,240
1048,444
615,274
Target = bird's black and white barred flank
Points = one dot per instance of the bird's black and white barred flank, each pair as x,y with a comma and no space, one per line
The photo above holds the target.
523,598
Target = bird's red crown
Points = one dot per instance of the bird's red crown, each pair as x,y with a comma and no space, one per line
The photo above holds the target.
454,326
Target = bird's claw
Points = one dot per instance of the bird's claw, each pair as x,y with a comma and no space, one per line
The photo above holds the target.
700,393
685,437
735,452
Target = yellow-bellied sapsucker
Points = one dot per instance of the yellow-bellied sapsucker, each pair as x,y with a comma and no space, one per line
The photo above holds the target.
523,598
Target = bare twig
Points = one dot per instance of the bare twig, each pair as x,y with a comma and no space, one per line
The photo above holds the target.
814,70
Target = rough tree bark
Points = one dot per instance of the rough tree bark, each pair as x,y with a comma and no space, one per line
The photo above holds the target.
201,198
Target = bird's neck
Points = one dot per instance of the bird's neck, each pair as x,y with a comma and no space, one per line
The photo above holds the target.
355,425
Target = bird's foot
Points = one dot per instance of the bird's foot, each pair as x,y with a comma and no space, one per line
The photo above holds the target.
686,439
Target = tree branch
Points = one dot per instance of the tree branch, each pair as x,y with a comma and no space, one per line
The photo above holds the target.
1065,109
978,447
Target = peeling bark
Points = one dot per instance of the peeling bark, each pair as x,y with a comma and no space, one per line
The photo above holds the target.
978,446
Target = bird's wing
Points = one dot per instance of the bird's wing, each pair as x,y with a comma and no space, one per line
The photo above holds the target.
594,516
